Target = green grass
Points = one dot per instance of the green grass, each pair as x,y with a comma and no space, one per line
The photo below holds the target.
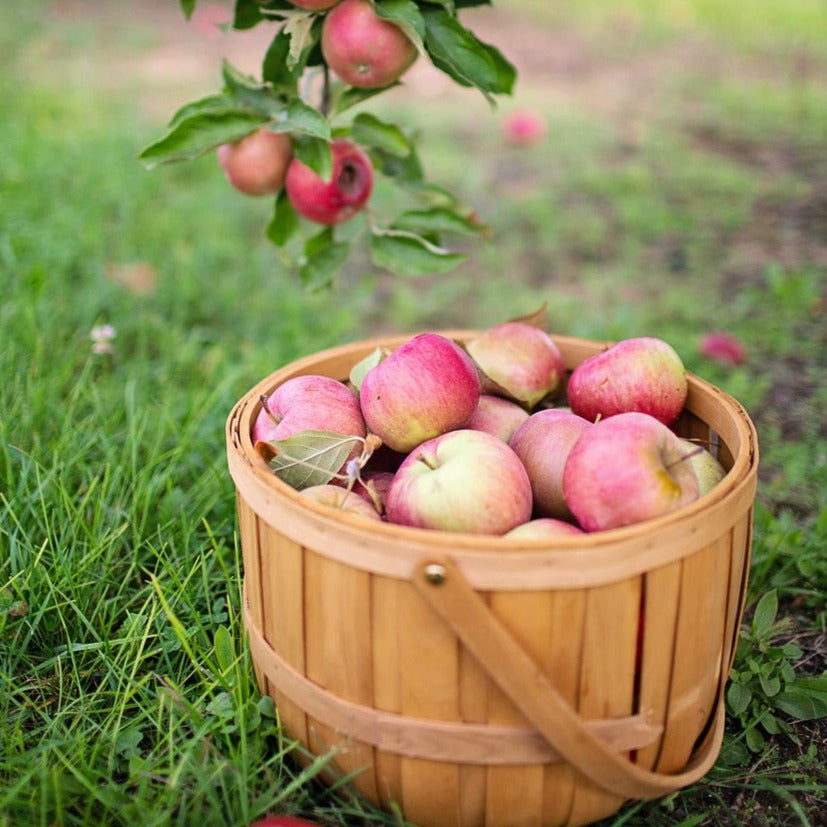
126,694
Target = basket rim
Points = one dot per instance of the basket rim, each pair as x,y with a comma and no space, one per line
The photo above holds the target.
733,494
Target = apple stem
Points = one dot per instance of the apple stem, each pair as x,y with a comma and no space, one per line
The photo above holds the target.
273,418
427,461
685,457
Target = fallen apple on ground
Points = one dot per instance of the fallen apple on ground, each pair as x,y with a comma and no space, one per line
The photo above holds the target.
466,481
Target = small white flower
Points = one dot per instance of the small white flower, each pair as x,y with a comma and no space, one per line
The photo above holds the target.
102,336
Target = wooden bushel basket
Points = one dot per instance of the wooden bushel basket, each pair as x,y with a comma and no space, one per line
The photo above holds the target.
472,680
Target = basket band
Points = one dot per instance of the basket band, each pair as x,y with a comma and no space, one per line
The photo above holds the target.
513,670
451,741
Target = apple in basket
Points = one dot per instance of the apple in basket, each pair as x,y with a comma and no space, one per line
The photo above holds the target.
543,443
498,416
362,48
519,359
625,469
707,469
464,480
334,496
544,528
309,403
642,374
425,387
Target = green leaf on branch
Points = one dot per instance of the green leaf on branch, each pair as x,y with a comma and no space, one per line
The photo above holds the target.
367,130
315,153
285,221
344,97
248,92
274,68
439,220
247,14
323,256
309,457
200,133
409,254
300,117
303,34
188,7
406,15
211,103
460,54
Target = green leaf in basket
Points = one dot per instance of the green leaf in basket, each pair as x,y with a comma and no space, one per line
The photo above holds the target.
309,457
358,371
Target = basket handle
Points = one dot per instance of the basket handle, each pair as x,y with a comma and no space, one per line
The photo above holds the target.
444,587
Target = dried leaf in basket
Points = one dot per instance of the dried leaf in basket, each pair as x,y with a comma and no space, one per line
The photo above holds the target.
308,457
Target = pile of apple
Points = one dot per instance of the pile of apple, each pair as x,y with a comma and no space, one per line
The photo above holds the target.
487,436
366,52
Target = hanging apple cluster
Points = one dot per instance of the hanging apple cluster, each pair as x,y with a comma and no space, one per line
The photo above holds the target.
292,133
487,437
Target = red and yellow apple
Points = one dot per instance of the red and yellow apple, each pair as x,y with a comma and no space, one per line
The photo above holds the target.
422,389
339,199
520,359
643,374
543,443
625,469
465,481
363,49
257,163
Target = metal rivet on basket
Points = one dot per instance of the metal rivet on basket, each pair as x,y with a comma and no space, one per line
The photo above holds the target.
435,574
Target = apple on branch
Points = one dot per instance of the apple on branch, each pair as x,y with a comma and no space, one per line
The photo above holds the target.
643,374
364,50
625,469
465,481
425,387
257,163
339,199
